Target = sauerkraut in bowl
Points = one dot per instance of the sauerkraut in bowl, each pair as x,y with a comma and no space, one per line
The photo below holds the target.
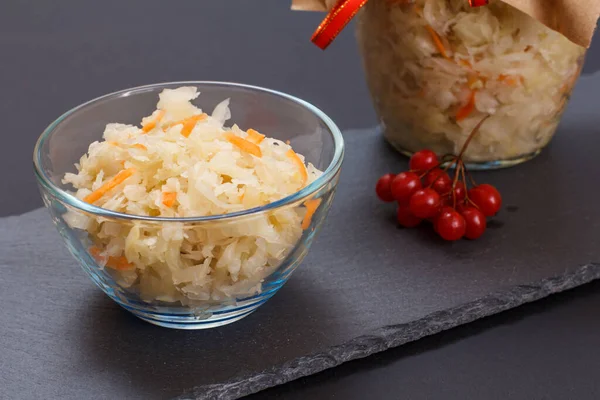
183,218
435,68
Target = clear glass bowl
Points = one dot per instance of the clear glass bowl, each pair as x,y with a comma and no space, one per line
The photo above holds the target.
278,115
435,68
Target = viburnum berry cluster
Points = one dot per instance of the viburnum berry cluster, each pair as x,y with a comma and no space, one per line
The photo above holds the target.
427,192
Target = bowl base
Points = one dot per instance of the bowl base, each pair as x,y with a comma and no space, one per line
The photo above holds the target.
201,315
191,321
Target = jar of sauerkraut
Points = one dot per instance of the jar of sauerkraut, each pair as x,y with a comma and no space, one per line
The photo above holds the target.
435,68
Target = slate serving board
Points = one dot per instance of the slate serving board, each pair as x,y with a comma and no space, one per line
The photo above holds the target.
366,285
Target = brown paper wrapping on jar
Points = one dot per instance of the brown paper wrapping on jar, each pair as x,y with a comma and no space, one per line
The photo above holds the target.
312,5
575,19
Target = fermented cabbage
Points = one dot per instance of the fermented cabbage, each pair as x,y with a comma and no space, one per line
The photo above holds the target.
435,68
185,163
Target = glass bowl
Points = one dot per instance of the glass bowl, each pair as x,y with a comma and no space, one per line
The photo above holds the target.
284,117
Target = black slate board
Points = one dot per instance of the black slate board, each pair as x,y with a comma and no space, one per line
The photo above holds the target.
365,286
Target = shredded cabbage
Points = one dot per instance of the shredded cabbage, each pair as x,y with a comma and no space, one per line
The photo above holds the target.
183,163
424,59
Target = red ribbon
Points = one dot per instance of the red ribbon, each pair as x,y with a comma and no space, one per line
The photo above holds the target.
342,13
478,3
335,21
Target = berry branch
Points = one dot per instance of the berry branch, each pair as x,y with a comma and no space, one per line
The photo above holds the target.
426,192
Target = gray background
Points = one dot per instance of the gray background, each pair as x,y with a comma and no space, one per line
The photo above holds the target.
55,55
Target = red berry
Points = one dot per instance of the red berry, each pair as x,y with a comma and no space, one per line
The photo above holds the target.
486,200
404,185
446,201
494,191
423,161
459,196
446,210
383,188
451,225
460,191
425,203
443,211
406,218
461,206
475,221
439,181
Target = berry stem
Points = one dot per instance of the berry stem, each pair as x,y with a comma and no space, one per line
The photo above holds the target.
460,169
424,199
450,163
438,165
460,166
469,201
471,136
468,174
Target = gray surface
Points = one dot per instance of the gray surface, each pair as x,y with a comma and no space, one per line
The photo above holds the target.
394,335
54,55
365,286
543,350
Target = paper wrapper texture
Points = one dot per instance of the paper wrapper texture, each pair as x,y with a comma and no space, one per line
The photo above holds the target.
575,19
312,5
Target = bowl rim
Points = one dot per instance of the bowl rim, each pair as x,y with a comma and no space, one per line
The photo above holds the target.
63,196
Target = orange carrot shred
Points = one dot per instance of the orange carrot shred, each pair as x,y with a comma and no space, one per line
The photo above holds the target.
188,126
294,157
108,186
95,252
255,136
140,146
467,109
465,63
472,79
511,80
437,41
169,198
311,207
119,263
243,144
189,123
152,124
149,126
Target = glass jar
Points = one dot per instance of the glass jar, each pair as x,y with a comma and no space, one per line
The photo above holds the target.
435,68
